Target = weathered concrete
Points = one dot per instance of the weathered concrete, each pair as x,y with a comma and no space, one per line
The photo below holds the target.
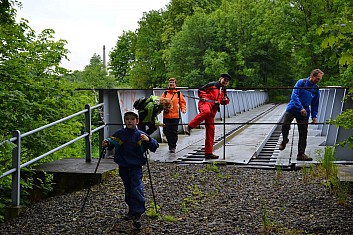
345,173
73,174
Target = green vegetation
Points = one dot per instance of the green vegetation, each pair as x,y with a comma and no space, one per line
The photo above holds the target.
151,211
261,43
328,171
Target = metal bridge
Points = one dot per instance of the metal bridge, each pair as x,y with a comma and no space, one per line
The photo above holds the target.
250,126
247,134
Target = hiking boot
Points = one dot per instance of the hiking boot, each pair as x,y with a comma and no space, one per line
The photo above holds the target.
282,146
211,156
128,216
303,157
188,130
136,221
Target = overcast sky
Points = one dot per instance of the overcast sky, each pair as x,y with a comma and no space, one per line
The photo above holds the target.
87,25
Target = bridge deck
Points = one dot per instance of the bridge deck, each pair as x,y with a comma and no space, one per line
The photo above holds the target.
243,144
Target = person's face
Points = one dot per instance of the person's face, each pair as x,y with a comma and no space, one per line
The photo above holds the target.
172,84
224,81
316,79
131,121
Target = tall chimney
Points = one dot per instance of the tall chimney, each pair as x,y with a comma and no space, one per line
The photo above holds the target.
104,56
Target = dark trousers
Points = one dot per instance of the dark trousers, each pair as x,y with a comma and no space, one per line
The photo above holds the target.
171,131
142,125
151,127
134,189
302,128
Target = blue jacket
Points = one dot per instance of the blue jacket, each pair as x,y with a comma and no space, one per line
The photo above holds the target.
305,97
129,149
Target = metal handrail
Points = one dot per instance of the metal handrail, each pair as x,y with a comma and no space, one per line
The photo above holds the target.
16,153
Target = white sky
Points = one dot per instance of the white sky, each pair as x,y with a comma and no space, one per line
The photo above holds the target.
87,25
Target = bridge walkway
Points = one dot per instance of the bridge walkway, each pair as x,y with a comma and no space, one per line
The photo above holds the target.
245,139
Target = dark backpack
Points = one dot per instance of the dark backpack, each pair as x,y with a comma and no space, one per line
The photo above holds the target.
140,103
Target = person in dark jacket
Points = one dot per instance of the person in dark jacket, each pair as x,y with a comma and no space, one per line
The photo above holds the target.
304,103
211,96
130,145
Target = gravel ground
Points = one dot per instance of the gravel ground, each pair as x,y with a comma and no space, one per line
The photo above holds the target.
196,199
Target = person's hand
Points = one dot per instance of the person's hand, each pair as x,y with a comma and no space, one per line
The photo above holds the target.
202,99
162,125
183,111
314,120
303,112
144,137
105,143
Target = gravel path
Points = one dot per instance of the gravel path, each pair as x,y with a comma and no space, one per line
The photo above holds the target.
198,199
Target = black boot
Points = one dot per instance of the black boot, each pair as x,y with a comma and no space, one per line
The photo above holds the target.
136,221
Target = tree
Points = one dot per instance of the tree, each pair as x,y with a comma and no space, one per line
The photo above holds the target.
34,91
95,75
149,67
179,10
337,45
122,57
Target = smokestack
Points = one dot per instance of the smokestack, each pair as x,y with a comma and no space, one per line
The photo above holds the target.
104,56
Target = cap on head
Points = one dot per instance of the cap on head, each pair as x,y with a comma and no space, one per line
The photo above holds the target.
226,76
132,111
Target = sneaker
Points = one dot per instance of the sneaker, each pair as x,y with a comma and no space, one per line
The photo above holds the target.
211,156
172,150
188,130
303,157
136,221
282,146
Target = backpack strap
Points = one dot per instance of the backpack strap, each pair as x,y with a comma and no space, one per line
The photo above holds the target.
304,82
178,92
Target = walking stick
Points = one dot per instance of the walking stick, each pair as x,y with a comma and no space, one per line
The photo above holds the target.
224,122
104,150
150,177
224,132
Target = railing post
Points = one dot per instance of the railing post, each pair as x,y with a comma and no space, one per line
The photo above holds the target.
88,138
16,156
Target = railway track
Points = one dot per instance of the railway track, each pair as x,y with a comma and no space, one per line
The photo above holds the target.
264,158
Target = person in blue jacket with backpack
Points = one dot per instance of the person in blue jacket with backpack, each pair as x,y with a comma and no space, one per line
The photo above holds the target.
130,145
304,103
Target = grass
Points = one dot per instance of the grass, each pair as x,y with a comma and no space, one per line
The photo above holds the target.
327,170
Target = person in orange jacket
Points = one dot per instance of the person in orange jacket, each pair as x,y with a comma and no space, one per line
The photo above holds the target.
171,117
211,96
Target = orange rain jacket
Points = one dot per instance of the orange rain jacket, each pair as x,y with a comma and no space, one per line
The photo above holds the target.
177,103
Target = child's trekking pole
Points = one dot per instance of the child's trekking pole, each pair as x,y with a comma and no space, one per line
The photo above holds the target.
104,150
150,177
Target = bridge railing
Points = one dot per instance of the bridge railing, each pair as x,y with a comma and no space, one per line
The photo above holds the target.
333,103
15,171
118,101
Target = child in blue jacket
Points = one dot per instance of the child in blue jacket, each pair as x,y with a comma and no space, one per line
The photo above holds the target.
130,145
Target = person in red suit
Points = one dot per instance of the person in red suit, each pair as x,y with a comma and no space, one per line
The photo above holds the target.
211,96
